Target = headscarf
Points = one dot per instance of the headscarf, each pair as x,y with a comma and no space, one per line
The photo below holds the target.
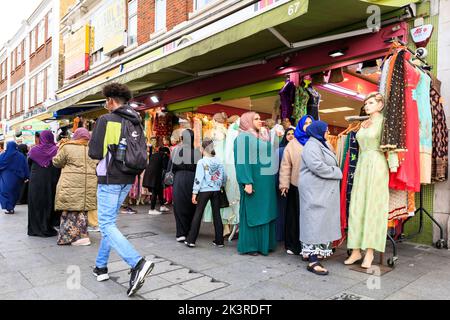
44,152
317,130
23,148
12,156
299,133
220,117
81,134
246,125
185,153
285,141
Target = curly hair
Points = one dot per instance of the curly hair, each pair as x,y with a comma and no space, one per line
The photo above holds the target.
117,91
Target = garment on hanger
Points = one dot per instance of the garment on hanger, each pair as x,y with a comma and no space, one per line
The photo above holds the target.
407,176
301,103
313,102
163,125
287,97
398,204
394,128
439,165
422,94
353,160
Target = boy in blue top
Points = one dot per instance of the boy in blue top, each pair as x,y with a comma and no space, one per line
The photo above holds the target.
209,179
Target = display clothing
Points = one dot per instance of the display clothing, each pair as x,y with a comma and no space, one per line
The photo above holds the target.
407,176
258,211
369,205
425,126
313,102
287,97
300,104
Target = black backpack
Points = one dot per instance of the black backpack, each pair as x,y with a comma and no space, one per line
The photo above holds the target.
136,153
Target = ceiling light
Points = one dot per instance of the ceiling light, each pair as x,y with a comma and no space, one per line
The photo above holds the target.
343,109
285,64
336,53
154,99
327,111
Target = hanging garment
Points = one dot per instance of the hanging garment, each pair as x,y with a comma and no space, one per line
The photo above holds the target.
344,186
163,125
398,204
407,176
384,77
411,203
394,128
422,94
287,97
369,205
197,127
439,165
301,104
313,102
353,160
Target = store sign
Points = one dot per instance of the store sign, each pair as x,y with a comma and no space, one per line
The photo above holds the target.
109,25
34,112
422,35
76,52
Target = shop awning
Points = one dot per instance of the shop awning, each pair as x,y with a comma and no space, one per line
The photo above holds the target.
295,20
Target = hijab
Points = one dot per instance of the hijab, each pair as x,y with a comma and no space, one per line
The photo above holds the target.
185,152
299,133
8,155
317,130
246,125
81,134
12,156
285,141
44,152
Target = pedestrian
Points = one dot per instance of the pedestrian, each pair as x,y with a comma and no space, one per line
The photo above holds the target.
42,218
23,198
76,190
288,185
209,179
13,172
184,164
114,184
281,198
320,176
256,177
153,179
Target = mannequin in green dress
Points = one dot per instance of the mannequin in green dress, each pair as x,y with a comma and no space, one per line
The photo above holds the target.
369,206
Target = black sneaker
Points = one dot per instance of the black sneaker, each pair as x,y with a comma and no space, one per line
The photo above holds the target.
101,274
219,245
138,275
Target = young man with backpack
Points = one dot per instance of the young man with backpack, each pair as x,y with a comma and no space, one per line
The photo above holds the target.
118,141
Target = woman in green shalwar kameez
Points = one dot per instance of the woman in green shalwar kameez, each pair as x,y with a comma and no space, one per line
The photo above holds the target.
255,174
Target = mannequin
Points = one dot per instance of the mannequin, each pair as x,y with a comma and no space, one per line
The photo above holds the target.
369,206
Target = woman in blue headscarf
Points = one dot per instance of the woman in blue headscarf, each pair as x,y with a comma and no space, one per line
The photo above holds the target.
320,173
288,185
13,173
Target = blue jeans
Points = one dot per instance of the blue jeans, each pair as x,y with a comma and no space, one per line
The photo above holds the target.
109,199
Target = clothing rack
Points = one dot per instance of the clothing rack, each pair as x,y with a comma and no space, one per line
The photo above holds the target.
426,66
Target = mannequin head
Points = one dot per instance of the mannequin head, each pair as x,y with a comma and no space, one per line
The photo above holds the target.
374,103
270,123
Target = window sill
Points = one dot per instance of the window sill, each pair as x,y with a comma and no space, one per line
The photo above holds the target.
132,47
158,33
206,8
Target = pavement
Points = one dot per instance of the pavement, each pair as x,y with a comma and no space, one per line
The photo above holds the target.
38,269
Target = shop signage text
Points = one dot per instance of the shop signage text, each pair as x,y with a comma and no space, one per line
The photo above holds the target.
34,112
76,55
421,35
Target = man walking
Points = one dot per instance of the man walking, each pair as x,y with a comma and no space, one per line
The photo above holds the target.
108,139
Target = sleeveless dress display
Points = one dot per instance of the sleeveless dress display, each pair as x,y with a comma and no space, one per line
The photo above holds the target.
369,204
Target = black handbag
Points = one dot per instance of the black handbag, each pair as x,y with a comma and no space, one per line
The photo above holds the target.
169,176
223,199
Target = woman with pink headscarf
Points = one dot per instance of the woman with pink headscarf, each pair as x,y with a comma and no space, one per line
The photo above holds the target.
76,190
255,173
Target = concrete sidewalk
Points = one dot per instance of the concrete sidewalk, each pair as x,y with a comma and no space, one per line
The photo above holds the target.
36,268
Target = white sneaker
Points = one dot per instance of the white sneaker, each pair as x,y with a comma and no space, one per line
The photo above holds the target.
164,209
153,212
82,242
181,239
93,229
290,252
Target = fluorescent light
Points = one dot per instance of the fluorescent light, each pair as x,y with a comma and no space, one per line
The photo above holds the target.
154,99
327,111
343,109
336,53
340,89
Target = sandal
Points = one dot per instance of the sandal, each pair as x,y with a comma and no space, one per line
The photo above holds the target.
306,259
312,269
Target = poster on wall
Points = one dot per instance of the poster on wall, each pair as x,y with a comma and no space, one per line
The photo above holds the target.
109,25
76,52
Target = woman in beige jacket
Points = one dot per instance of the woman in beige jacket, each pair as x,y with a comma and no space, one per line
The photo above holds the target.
76,193
288,184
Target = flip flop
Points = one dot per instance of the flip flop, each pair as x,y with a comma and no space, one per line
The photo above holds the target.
319,273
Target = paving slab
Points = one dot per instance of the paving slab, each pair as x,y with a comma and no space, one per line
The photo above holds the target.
174,292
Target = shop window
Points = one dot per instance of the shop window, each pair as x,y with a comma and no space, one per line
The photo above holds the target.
199,4
132,22
160,15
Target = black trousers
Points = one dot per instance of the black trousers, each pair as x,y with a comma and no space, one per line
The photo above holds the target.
157,194
183,207
292,226
202,200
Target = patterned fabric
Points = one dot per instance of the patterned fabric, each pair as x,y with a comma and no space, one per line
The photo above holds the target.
73,227
300,104
369,205
394,130
354,152
439,165
287,97
324,250
398,204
